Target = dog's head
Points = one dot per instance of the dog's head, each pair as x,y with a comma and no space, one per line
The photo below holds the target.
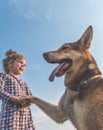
72,57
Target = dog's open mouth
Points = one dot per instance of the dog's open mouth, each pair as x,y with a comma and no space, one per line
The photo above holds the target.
60,69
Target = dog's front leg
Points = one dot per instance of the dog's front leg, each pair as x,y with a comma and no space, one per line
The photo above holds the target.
55,112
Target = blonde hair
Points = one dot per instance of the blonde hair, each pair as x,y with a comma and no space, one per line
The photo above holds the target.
11,56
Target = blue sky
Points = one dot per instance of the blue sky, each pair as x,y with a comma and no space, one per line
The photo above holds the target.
33,27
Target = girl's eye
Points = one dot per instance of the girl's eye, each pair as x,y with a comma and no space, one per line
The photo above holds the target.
22,63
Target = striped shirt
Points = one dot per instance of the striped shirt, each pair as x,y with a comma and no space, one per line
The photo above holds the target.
14,117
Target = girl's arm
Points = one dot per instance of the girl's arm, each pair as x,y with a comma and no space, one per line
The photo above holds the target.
7,97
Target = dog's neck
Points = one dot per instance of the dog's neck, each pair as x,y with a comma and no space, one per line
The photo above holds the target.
83,84
79,76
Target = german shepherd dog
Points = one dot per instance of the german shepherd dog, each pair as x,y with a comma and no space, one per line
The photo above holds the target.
82,102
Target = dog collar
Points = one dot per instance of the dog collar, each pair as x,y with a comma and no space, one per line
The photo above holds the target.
84,85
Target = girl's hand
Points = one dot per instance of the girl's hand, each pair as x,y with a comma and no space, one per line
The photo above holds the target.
22,101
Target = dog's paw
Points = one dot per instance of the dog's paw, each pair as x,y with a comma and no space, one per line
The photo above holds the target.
32,99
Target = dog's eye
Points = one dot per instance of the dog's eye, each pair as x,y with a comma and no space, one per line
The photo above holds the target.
65,47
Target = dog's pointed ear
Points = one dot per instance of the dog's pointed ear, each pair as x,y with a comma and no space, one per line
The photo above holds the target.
86,38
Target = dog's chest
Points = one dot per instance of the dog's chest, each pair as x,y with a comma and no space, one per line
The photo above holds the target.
68,106
73,106
69,103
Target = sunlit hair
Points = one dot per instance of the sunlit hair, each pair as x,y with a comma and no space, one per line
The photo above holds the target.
11,56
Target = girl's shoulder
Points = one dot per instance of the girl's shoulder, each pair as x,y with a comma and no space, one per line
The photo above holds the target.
3,75
22,81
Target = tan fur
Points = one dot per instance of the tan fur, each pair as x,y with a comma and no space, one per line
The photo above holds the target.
82,105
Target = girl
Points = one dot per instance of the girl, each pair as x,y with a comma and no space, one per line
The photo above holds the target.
15,111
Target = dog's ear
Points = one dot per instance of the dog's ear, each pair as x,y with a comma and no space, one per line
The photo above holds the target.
86,38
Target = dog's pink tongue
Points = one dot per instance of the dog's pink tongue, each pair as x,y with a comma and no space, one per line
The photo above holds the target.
55,71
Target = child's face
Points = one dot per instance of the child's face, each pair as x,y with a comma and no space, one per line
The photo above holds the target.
18,67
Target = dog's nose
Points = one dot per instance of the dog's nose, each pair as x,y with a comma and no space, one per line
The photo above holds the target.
45,55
